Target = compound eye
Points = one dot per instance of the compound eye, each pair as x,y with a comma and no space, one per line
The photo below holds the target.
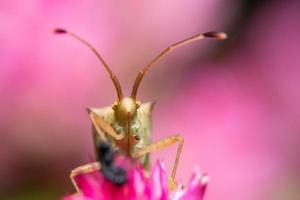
138,104
114,105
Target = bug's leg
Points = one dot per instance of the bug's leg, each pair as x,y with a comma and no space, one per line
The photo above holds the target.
102,126
83,169
160,145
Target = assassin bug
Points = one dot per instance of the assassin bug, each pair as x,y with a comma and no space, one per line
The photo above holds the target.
126,124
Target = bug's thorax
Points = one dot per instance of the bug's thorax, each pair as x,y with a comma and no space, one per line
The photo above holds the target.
129,133
125,112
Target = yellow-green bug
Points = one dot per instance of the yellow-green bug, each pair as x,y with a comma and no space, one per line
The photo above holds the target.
126,125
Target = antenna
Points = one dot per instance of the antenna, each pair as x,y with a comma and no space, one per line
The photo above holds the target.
141,74
112,76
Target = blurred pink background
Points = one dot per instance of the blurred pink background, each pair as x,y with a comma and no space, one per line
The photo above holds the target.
237,103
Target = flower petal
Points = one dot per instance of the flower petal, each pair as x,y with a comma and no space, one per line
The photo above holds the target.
77,197
137,185
94,186
157,186
195,190
91,184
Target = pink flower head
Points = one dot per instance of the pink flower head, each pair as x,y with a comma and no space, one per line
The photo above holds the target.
94,186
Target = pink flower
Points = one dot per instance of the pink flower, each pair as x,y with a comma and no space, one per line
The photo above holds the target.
94,186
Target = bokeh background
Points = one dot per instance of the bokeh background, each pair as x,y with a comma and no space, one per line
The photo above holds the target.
237,102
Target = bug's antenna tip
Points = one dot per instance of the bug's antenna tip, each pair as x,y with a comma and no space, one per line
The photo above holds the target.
60,31
217,35
222,36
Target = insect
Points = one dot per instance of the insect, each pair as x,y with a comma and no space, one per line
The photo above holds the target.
126,124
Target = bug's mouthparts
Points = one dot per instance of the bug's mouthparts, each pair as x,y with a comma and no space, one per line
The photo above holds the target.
129,114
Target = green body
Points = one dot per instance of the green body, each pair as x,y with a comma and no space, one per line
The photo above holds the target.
140,124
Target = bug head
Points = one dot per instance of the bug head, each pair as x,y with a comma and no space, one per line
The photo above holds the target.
126,108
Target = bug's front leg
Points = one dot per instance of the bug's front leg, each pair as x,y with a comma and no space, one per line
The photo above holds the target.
160,145
102,126
84,169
